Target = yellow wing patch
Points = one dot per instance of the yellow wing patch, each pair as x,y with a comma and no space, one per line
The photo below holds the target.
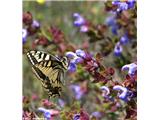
52,74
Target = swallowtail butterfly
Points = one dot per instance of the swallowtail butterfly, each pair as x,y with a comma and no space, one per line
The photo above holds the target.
49,69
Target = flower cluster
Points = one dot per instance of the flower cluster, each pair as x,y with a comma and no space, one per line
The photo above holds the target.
94,32
98,84
119,6
124,94
131,76
75,58
123,40
128,4
91,64
123,90
120,19
31,26
41,37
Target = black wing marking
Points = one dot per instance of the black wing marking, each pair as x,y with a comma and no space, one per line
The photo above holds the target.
39,56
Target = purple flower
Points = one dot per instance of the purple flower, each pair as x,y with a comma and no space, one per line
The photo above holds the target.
35,24
110,21
61,102
75,58
76,117
122,6
48,114
131,68
131,3
124,39
72,67
71,54
123,89
24,35
96,114
118,49
78,93
80,53
118,105
84,28
105,93
114,29
125,94
79,20
105,89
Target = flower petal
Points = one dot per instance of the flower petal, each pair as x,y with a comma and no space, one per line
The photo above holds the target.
104,88
71,54
123,89
80,53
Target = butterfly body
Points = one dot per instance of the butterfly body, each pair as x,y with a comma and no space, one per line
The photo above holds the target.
49,70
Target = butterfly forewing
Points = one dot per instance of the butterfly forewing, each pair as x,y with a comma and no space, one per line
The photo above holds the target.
49,69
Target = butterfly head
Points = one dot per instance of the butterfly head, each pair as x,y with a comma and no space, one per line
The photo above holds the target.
65,62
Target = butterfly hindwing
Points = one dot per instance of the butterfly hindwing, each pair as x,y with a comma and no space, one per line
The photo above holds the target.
50,87
53,73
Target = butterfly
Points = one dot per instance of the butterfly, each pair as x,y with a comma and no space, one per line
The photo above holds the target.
49,69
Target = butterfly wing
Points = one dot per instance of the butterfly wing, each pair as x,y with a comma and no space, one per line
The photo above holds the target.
39,56
49,83
54,74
